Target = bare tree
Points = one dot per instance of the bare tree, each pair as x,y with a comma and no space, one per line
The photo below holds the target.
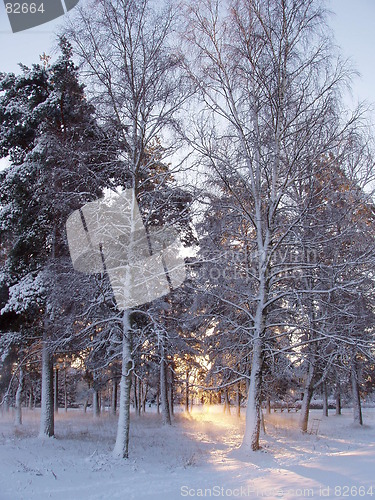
134,78
270,90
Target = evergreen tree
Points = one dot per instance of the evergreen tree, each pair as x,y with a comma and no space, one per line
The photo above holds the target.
57,152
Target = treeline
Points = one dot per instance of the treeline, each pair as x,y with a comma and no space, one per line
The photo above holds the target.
227,121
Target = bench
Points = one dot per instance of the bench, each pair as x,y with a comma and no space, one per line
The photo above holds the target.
287,408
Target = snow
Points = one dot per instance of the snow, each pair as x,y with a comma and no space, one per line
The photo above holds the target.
197,456
4,163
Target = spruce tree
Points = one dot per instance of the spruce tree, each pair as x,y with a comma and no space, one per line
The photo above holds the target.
56,151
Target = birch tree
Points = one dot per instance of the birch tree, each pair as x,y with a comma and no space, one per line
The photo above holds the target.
134,79
270,89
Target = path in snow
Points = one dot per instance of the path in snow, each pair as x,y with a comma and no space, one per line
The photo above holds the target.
199,455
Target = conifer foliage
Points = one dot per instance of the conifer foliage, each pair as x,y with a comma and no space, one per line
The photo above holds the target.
55,151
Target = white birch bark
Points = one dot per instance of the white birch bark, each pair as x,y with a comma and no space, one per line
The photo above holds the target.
252,429
47,423
95,404
122,440
253,408
307,395
121,448
166,416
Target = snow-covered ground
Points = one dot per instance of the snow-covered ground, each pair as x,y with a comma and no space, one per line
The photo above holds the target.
199,456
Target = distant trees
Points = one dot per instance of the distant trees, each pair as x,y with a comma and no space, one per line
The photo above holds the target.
337,236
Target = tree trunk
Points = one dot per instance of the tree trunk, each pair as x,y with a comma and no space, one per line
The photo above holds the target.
95,403
325,399
357,410
65,392
226,401
187,392
308,393
114,396
171,392
338,397
135,405
122,440
144,396
56,391
139,386
6,402
47,423
262,421
268,406
252,430
18,419
238,399
305,408
31,399
158,399
164,389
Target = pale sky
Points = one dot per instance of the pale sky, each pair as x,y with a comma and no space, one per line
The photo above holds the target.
353,22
